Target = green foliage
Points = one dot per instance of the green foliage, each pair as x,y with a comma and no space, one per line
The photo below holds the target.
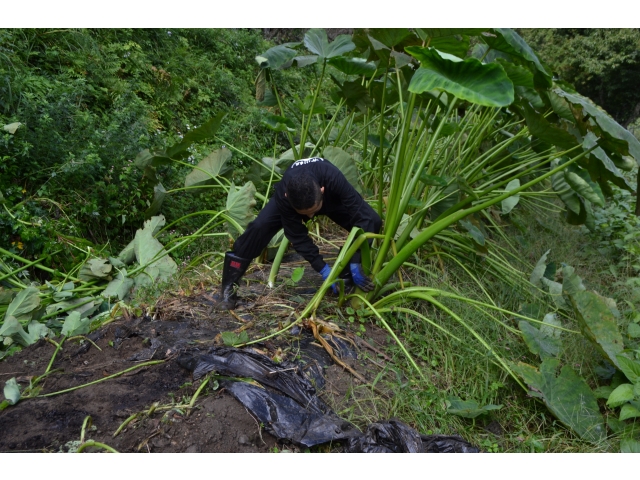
617,229
86,102
567,396
12,391
231,338
602,63
468,408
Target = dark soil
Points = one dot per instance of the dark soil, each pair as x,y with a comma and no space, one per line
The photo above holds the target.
218,422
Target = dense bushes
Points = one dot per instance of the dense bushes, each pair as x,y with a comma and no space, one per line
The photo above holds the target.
89,101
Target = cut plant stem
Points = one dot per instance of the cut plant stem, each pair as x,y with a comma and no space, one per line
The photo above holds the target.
146,364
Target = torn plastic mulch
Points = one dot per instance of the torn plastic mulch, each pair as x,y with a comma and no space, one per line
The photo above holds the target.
289,408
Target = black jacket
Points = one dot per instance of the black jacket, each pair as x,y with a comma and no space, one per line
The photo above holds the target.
341,202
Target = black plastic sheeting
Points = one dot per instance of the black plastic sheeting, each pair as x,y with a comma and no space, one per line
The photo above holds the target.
396,437
289,408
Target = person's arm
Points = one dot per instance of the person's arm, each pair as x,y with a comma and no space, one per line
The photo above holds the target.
296,232
361,214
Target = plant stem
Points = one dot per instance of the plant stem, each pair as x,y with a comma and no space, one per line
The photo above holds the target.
395,263
24,267
197,394
93,443
41,267
53,357
154,362
277,261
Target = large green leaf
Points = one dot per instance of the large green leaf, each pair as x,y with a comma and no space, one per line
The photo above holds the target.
539,342
316,41
629,445
276,57
450,197
203,132
278,123
12,391
580,182
631,368
469,80
609,127
468,408
353,66
24,304
12,328
155,224
390,37
549,322
508,41
240,203
622,394
310,105
567,396
6,296
446,32
608,168
555,292
159,193
85,306
509,203
520,76
571,283
95,268
345,163
118,287
457,45
354,93
474,231
211,166
531,95
564,190
151,158
75,325
560,106
539,269
151,254
402,59
598,324
542,129
288,157
628,411
303,60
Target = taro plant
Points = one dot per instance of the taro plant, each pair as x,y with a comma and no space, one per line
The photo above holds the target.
442,136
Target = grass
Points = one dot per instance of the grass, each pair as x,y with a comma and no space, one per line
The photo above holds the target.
462,367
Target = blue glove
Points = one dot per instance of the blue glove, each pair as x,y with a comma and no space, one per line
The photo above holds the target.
326,270
360,278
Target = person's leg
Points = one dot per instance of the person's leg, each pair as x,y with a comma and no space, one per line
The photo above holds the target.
248,246
259,232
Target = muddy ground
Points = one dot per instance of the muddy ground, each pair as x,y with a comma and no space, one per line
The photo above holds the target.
160,393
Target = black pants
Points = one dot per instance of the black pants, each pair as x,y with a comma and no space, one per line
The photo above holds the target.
260,232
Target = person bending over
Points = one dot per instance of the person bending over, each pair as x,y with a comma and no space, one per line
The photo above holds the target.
309,187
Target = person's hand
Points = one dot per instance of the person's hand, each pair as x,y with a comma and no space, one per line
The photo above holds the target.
360,278
326,270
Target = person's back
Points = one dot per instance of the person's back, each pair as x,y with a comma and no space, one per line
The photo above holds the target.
309,187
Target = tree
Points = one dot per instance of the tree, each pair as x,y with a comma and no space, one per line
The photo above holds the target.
602,63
